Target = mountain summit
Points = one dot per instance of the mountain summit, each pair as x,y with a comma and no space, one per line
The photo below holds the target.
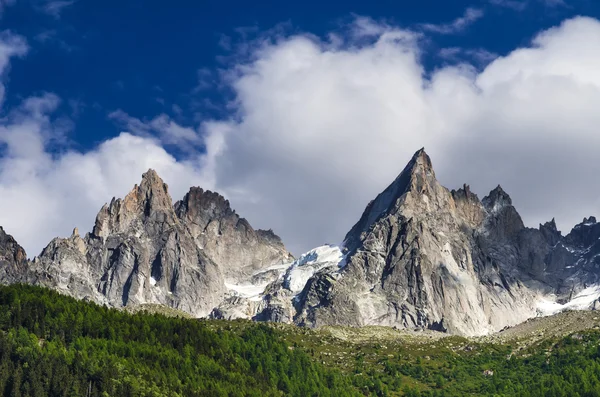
144,249
420,256
417,177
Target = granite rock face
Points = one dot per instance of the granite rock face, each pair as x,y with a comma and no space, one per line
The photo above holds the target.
226,238
420,257
143,249
13,260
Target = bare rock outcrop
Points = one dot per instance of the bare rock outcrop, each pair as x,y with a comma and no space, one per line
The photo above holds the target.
420,257
143,249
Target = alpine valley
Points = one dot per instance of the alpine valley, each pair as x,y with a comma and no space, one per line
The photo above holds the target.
420,257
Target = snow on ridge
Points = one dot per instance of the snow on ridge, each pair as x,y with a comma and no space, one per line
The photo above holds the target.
584,300
310,263
295,274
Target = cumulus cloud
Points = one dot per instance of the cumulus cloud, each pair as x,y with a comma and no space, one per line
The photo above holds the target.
44,193
169,132
457,54
320,130
320,126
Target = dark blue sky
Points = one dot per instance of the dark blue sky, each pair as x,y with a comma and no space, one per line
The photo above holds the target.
144,56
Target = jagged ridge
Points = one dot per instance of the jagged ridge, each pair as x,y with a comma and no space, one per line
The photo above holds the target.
420,256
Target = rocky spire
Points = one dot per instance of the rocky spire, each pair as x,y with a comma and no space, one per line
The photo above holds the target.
550,232
10,250
585,233
201,206
148,202
417,177
589,221
504,222
496,200
464,193
150,197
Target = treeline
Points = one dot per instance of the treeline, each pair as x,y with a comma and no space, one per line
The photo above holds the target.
52,345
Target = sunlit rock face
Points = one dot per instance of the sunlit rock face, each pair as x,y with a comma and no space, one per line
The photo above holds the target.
420,257
143,249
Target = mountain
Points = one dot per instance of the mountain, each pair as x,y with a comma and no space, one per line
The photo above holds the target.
420,257
144,249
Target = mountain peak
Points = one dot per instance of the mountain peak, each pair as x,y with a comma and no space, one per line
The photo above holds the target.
589,221
150,200
550,225
496,200
11,253
151,194
151,177
151,182
200,203
550,232
420,163
417,177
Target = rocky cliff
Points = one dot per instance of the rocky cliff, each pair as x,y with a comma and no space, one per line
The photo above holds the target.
143,249
13,260
421,256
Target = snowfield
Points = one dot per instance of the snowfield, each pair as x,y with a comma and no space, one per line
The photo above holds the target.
301,270
582,301
295,275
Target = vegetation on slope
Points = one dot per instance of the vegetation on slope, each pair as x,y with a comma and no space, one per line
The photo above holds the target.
52,345
410,364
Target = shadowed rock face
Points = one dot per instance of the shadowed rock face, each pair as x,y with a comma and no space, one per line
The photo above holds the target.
420,256
13,260
143,249
425,257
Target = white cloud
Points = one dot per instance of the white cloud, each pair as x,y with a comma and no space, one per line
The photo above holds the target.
169,132
319,128
319,131
45,194
11,45
520,5
457,54
49,196
458,25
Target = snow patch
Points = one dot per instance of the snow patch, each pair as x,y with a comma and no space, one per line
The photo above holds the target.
310,263
152,281
251,292
582,301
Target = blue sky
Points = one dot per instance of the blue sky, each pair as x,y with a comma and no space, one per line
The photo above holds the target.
145,57
299,113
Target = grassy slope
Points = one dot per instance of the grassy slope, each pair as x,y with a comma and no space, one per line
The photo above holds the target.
529,359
